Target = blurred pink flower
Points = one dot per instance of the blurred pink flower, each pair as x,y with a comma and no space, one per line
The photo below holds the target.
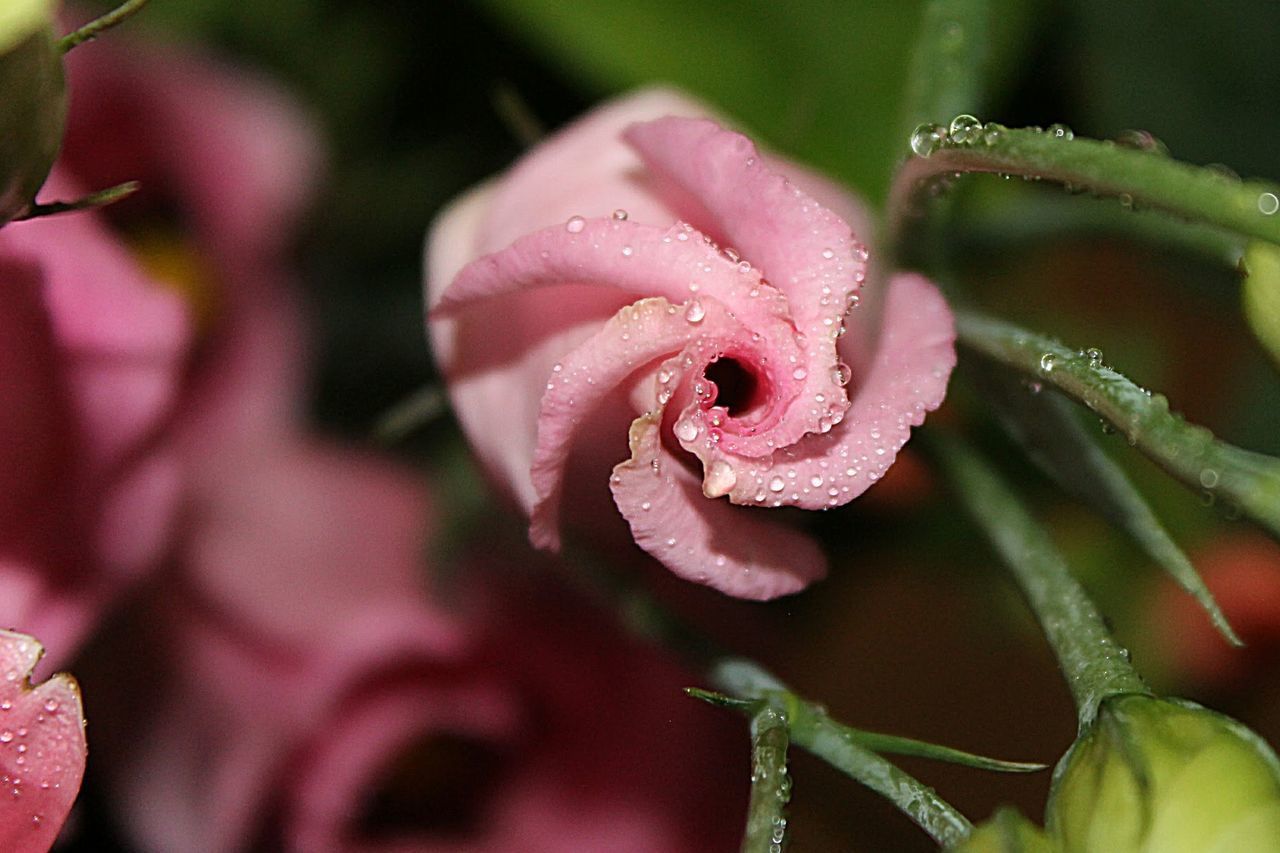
42,748
687,283
91,355
292,685
306,695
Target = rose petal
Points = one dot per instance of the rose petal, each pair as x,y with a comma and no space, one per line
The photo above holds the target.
634,337
913,361
702,540
42,748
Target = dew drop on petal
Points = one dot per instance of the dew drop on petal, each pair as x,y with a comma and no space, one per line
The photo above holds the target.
575,225
841,373
686,429
695,312
620,215
777,484
719,480
1268,204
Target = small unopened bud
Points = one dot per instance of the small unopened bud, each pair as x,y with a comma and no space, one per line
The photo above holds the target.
1168,775
33,102
1006,832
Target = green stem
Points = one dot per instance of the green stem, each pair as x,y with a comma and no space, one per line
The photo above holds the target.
1095,665
1247,480
813,730
948,63
101,198
1250,208
98,26
770,784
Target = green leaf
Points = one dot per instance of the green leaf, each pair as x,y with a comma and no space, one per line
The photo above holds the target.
770,784
1248,480
895,745
1094,664
1250,208
1261,295
821,81
811,729
1047,429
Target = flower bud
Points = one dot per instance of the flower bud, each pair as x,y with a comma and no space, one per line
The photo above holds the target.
1168,775
33,102
1006,832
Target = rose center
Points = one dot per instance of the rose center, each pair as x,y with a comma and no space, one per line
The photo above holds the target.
738,389
436,786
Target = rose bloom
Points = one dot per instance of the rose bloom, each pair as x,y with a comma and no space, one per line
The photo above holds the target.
648,274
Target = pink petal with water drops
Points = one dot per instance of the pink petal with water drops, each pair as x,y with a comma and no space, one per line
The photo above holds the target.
42,748
906,378
707,541
632,339
802,247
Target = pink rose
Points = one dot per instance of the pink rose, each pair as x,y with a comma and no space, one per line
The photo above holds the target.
304,694
656,277
91,359
42,749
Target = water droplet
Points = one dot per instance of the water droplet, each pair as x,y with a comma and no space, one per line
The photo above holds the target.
646,506
1047,362
926,139
575,225
695,312
1268,204
1095,356
1209,478
828,254
627,251
1141,140
620,215
799,373
1060,131
815,481
777,484
841,373
51,705
719,480
965,130
6,736
991,133
686,429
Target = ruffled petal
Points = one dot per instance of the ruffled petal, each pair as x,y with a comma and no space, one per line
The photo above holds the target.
706,541
42,748
908,377
633,338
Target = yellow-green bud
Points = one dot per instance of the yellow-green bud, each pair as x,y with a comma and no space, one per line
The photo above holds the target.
33,101
1165,775
1006,832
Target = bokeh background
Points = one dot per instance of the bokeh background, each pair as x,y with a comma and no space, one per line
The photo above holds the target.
916,632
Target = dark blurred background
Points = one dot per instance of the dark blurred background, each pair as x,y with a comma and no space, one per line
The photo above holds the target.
917,632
